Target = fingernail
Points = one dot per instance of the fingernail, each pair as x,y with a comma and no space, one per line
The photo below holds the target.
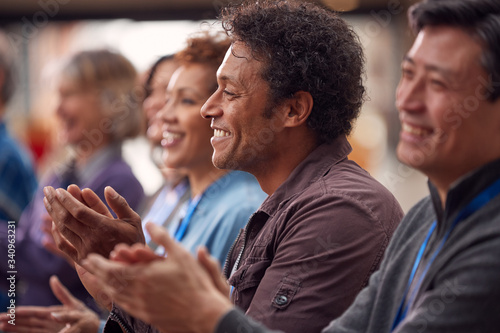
48,193
113,194
56,315
59,193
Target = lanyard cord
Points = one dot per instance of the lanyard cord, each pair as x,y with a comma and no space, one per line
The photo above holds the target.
477,203
183,225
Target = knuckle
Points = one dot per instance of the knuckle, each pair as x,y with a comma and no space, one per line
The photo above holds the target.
64,219
122,202
68,234
80,214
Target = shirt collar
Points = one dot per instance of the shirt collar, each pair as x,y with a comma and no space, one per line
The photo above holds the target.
464,190
316,165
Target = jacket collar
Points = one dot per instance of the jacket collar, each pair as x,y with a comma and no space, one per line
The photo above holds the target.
463,191
316,165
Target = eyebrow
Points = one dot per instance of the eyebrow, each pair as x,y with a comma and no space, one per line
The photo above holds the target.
227,78
232,79
432,68
192,90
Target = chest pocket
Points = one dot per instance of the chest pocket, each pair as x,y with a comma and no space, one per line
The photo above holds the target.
246,279
250,274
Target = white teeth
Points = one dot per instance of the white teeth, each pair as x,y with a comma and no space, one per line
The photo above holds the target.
170,137
221,133
415,130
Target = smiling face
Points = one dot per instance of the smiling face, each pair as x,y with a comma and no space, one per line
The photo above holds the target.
156,99
243,136
79,113
448,126
186,135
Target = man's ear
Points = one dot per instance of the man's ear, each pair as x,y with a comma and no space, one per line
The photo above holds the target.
299,109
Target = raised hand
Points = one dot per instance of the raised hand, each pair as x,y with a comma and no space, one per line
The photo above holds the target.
36,319
163,291
83,223
75,315
70,317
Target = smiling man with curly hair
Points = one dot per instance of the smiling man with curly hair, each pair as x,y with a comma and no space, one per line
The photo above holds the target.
289,89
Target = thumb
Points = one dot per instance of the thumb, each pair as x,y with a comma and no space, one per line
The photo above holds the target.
160,236
94,202
212,266
119,205
62,293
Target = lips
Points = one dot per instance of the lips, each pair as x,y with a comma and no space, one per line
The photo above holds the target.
170,139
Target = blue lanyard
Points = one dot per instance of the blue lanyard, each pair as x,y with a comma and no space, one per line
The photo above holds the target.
477,203
181,229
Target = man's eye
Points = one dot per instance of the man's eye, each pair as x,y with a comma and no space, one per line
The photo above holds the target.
437,83
406,73
229,93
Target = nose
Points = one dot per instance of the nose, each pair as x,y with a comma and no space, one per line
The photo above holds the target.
212,107
152,105
167,113
410,95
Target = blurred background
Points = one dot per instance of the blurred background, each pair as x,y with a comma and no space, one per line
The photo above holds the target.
40,34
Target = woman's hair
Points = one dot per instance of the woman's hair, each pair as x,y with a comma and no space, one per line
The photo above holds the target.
152,72
205,48
114,78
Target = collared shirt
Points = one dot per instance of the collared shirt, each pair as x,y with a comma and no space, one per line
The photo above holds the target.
221,213
312,245
168,200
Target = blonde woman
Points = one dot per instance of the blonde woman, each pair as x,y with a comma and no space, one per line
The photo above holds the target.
97,111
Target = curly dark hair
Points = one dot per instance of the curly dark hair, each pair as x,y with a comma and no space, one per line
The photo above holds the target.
481,18
304,47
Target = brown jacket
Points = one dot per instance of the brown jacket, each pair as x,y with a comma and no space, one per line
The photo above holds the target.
310,248
312,245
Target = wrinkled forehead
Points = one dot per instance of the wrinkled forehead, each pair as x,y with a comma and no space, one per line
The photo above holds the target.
240,66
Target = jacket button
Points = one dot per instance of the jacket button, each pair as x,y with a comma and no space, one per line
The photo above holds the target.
281,300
